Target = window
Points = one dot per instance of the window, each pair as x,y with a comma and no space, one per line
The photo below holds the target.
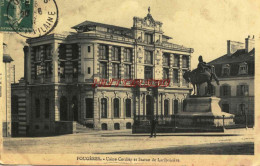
175,76
225,90
117,126
225,108
103,53
128,125
185,62
243,69
47,52
38,70
48,68
88,70
62,51
128,107
128,71
63,109
115,70
89,50
148,72
165,73
166,107
242,90
89,108
116,108
115,54
176,61
103,108
242,109
37,54
175,103
128,55
166,60
37,108
62,69
75,69
75,51
14,104
47,108
103,70
148,57
184,104
226,70
104,126
148,38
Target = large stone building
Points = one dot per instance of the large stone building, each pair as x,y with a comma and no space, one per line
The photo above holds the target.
60,70
235,71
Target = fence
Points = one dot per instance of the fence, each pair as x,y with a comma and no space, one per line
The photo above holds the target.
175,123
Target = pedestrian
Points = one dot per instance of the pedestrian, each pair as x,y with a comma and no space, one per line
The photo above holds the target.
153,123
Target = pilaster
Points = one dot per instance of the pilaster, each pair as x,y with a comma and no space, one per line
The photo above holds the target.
109,64
122,67
55,62
68,64
180,70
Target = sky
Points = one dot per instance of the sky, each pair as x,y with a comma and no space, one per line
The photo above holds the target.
200,24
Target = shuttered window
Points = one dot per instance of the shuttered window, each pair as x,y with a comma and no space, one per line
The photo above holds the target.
242,90
225,90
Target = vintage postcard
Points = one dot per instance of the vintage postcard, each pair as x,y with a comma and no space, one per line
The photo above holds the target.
129,82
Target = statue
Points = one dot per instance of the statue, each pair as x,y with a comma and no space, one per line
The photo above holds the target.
203,73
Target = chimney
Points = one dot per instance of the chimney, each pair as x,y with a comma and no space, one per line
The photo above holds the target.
250,43
233,46
26,58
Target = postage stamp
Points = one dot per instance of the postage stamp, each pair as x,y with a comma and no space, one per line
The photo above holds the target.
18,14
33,18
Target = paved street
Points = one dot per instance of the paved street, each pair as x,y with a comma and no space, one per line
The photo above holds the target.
236,141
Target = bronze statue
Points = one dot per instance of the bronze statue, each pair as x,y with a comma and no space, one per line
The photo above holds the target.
203,73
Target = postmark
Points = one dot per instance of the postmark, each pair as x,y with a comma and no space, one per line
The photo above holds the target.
20,14
45,18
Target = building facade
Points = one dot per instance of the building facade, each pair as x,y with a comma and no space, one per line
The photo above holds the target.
235,71
60,70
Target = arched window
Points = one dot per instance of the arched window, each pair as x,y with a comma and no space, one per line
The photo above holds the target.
166,107
14,104
116,108
47,108
128,125
104,126
128,107
103,108
184,104
37,108
63,108
176,106
117,126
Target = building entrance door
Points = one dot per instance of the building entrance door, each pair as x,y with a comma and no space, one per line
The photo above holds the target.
149,105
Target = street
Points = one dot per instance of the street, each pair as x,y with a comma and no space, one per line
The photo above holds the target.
236,141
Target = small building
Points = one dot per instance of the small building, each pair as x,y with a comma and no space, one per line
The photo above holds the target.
236,73
60,70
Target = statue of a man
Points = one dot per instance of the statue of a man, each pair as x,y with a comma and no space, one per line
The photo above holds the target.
202,65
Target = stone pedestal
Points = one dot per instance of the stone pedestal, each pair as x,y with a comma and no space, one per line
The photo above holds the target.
205,112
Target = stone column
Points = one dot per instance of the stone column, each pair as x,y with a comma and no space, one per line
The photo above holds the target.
133,64
56,104
171,69
55,62
109,64
122,67
180,70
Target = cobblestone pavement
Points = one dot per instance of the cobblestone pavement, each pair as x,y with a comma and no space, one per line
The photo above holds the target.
240,140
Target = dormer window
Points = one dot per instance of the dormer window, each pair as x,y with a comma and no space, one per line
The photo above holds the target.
243,69
226,70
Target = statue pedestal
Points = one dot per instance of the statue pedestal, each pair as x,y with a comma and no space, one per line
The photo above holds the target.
204,112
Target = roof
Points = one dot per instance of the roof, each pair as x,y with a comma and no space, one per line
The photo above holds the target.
167,37
239,56
91,23
7,58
